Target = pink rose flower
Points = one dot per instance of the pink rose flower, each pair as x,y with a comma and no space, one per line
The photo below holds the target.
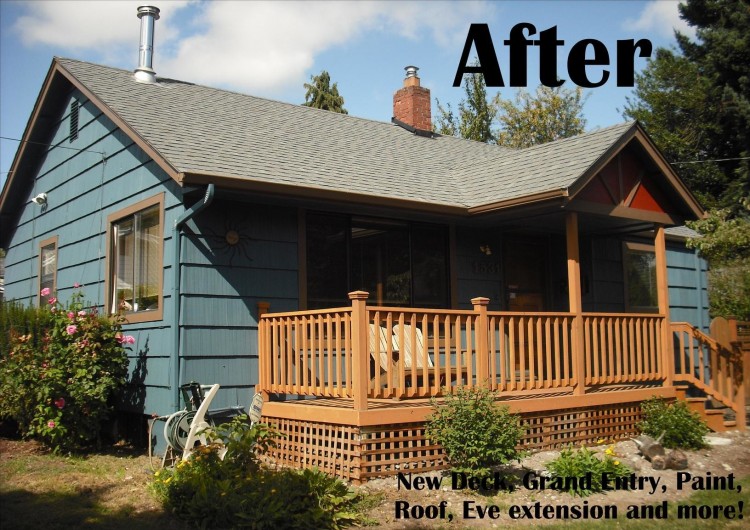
71,329
76,285
126,339
82,313
45,291
52,300
71,315
60,402
51,424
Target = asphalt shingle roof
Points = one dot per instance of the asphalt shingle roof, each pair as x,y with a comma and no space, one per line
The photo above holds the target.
201,129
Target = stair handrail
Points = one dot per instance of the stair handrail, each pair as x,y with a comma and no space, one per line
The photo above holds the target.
730,371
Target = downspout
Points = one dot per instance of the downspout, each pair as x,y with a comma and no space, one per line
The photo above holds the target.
177,238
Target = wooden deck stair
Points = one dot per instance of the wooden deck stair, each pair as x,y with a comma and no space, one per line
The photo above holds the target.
715,418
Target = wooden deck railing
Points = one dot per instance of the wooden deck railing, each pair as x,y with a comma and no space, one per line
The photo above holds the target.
369,352
715,370
308,353
622,348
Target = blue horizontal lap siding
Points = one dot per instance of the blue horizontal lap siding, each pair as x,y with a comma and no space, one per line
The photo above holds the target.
222,285
688,295
83,188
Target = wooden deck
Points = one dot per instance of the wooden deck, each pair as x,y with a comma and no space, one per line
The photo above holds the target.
351,387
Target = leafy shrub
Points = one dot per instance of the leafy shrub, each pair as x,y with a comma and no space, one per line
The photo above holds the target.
475,433
58,386
238,492
681,427
580,463
17,319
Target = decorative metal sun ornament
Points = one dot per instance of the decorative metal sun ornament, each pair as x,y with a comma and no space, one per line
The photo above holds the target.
232,241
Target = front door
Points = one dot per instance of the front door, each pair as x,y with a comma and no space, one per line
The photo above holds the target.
525,267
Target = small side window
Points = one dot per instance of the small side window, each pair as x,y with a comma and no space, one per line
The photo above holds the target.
47,267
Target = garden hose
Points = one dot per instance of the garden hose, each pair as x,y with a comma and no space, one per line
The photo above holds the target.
150,446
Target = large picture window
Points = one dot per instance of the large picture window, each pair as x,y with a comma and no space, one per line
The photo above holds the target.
47,266
135,261
640,277
398,263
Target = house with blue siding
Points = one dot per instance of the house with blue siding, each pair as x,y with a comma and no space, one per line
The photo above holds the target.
194,210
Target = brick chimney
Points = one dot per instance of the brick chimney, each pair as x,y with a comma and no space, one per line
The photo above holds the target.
411,103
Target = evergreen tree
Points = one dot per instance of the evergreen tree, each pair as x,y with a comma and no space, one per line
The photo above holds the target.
322,95
672,101
475,113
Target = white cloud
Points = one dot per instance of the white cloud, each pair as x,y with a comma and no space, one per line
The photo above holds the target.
77,25
258,46
262,45
249,46
661,17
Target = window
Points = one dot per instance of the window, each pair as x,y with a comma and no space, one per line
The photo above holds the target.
640,277
135,263
398,263
47,266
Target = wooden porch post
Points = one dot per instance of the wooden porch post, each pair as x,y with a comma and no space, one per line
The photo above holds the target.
360,351
662,292
575,303
264,353
482,333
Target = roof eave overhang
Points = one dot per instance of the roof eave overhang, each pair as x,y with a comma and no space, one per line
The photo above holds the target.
192,178
553,198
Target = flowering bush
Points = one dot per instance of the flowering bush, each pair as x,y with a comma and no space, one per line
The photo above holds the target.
59,386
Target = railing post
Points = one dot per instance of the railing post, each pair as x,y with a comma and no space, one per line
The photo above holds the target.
360,350
575,303
744,375
662,290
482,334
740,401
264,355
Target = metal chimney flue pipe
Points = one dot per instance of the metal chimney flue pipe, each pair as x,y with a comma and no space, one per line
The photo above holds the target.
145,72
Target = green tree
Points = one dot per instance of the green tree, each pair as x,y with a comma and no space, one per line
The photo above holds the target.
322,95
695,101
476,113
725,242
550,114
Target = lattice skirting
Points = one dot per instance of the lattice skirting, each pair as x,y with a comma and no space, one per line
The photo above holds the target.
362,453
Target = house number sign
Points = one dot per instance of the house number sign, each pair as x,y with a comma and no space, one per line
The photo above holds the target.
491,268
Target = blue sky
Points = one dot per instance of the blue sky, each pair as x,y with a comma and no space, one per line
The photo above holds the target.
270,49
